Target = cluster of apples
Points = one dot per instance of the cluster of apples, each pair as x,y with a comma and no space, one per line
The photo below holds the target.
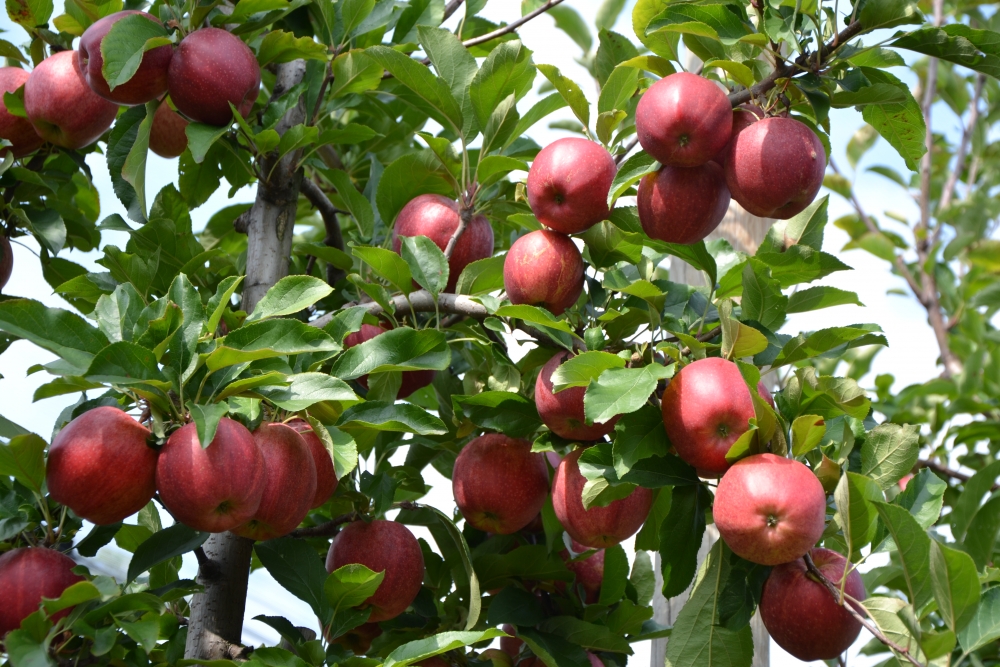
259,485
69,102
769,509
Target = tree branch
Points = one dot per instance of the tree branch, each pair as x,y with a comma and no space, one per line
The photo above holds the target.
328,529
868,625
947,472
512,26
963,147
628,149
465,212
328,212
451,8
422,301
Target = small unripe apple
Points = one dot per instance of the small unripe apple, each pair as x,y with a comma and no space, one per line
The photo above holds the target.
775,167
597,527
289,485
769,509
61,106
6,260
563,412
382,546
26,576
148,82
211,68
411,380
211,489
683,119
101,467
802,615
683,204
544,268
499,484
15,129
326,476
168,134
568,184
437,218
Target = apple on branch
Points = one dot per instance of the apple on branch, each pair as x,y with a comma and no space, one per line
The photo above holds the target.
326,475
568,184
15,129
26,576
683,120
168,134
562,411
149,80
544,268
212,68
682,204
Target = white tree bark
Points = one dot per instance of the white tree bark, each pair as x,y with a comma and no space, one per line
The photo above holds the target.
215,627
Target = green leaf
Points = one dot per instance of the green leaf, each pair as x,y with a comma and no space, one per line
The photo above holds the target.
428,265
888,614
29,13
508,70
220,301
814,344
125,363
553,650
534,315
855,497
888,13
570,91
978,50
290,295
889,452
481,276
630,172
23,458
279,46
579,370
176,540
200,138
981,539
618,90
65,334
923,497
516,606
351,585
638,435
407,177
588,635
400,417
538,111
984,627
433,91
306,389
955,584
680,538
353,12
762,297
698,638
130,38
899,123
340,445
184,345
622,390
354,72
421,649
246,384
123,138
969,501
914,550
266,340
401,349
815,298
569,21
206,419
501,411
356,203
296,566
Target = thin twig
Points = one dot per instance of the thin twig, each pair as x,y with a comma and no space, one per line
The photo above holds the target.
628,149
512,26
465,213
868,625
327,211
327,529
451,8
948,472
963,147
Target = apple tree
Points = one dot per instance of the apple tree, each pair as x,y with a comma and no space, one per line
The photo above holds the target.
419,285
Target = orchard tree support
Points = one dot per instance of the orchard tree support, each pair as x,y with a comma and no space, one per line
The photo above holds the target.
238,379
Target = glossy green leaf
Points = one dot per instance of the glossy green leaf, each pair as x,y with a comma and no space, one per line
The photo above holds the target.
622,390
889,452
955,584
288,296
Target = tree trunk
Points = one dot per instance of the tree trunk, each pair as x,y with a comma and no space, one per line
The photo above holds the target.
744,232
216,623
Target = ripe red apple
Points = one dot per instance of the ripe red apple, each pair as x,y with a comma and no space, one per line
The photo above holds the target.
148,82
510,645
289,485
359,640
326,476
411,380
683,119
744,116
568,184
436,217
769,509
26,576
706,408
683,204
802,616
589,571
168,136
774,167
6,260
101,467
562,412
61,106
15,129
499,484
210,69
213,489
544,268
597,527
382,546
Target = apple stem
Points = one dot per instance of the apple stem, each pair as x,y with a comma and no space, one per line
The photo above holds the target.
868,625
327,529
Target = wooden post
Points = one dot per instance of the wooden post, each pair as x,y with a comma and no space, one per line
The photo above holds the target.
744,232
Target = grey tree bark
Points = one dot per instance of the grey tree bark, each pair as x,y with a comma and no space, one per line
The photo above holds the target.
215,627
744,232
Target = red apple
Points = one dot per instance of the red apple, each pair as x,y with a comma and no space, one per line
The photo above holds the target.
434,661
411,380
359,640
683,119
101,467
148,82
744,116
562,412
436,217
168,135
597,527
216,488
769,509
706,408
499,484
26,576
774,167
683,204
568,184
289,486
210,69
544,268
6,260
589,571
510,645
326,476
15,129
904,481
802,616
61,106
382,546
